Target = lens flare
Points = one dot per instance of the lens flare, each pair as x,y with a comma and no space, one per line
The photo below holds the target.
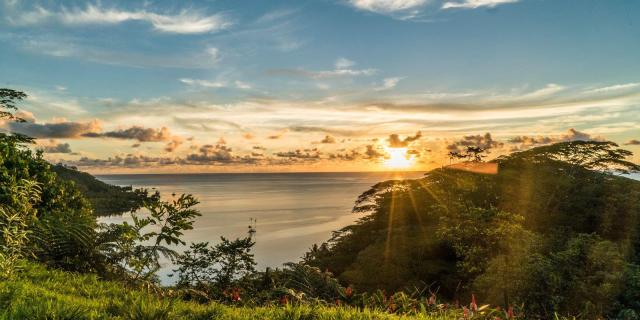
398,158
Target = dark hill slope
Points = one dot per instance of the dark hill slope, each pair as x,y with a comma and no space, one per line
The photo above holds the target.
105,199
555,228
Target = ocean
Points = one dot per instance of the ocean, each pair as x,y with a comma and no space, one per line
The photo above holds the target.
293,210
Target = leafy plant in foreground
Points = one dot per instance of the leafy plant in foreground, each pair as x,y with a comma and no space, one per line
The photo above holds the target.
15,220
137,247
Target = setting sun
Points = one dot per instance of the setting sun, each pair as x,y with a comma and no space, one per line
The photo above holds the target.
398,158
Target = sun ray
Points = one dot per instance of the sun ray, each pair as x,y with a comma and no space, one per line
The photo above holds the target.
398,158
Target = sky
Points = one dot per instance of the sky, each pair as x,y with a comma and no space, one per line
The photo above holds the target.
318,85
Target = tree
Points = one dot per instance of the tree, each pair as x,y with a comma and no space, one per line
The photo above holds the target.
8,101
592,155
126,245
216,269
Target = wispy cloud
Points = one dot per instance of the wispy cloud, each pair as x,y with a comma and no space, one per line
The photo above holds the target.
614,88
203,83
388,6
216,84
389,83
187,21
342,68
66,46
475,4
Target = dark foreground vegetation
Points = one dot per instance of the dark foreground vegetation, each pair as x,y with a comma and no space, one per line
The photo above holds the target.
547,232
105,199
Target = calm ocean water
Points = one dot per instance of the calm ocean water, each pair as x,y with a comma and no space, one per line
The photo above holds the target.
293,210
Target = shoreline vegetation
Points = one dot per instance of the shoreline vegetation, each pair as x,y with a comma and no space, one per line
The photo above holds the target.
552,232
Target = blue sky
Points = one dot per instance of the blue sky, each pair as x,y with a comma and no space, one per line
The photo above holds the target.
258,85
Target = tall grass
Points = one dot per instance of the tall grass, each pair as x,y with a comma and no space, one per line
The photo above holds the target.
38,293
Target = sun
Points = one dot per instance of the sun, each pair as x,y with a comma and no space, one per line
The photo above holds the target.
398,158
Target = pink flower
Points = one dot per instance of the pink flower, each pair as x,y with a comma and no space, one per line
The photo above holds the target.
473,305
432,299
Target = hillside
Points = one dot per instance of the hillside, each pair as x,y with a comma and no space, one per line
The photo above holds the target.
105,199
552,228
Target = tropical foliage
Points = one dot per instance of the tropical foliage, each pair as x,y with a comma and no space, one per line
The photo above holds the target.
555,229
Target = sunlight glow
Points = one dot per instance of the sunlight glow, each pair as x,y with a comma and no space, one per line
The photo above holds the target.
398,158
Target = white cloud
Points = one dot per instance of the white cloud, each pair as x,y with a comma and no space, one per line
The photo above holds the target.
342,68
242,85
344,63
617,87
387,6
549,90
215,84
389,83
203,83
212,54
474,4
185,22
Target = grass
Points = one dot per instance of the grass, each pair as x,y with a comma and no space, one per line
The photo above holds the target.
38,293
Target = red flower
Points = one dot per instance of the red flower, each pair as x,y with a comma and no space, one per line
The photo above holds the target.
465,312
510,314
235,294
348,292
473,305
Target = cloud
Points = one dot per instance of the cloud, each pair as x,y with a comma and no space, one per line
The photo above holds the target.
395,141
135,133
213,52
61,129
102,51
300,154
571,135
343,68
242,85
53,147
203,83
389,83
344,63
206,124
328,139
186,21
128,161
216,84
633,142
173,144
373,153
613,88
212,153
485,141
388,6
474,4
277,136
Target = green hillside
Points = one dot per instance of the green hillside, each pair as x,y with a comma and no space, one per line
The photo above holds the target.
105,199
